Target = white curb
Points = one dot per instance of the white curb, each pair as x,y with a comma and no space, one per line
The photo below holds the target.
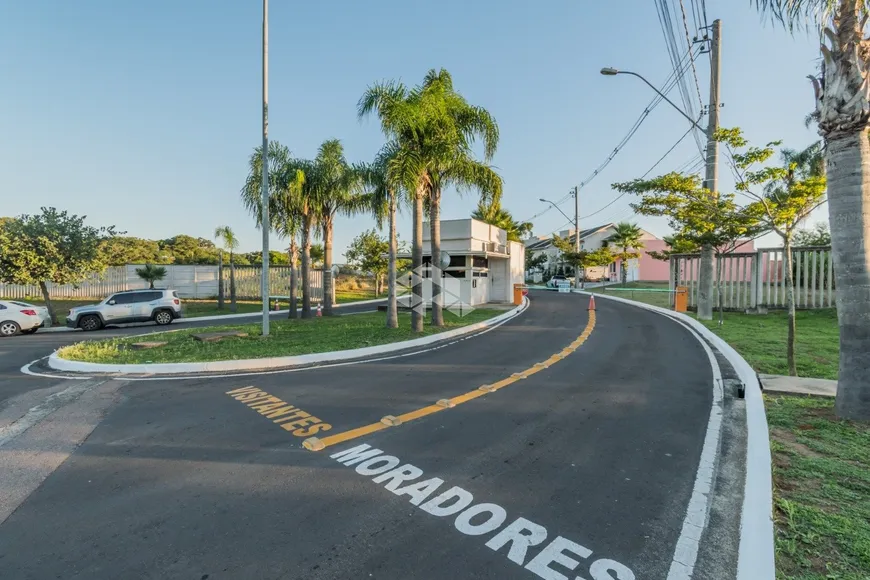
61,328
60,364
755,558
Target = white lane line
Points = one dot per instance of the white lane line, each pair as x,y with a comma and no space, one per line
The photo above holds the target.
39,412
686,552
26,370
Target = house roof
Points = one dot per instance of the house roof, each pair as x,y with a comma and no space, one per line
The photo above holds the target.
547,242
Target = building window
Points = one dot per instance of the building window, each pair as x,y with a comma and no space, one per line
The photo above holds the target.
479,262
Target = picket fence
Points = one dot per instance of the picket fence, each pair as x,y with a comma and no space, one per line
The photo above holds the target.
757,279
189,281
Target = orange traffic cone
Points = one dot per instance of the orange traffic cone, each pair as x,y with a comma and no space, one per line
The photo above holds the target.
319,313
591,303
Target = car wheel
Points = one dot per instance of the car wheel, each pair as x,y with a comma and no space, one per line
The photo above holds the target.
163,318
9,328
90,322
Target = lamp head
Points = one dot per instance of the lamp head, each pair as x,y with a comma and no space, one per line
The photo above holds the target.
609,71
543,200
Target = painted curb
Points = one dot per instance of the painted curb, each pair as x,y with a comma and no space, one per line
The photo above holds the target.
61,328
59,364
755,558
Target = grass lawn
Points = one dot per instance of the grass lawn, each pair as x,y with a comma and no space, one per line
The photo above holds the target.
821,476
761,340
639,291
287,338
344,296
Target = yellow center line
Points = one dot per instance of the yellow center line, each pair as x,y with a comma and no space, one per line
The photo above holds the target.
316,444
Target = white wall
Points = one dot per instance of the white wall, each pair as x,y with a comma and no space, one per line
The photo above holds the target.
517,266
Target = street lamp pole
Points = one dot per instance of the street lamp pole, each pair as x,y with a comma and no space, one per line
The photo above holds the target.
576,221
264,210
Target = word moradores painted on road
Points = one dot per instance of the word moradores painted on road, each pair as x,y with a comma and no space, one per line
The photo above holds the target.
514,540
289,417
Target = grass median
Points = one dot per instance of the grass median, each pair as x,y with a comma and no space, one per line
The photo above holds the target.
287,338
821,478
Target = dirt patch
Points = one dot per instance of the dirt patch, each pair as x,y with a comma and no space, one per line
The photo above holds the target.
787,439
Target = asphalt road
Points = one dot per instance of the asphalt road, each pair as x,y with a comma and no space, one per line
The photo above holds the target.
582,470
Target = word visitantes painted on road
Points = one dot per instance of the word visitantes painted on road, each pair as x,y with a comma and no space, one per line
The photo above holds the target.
481,518
290,418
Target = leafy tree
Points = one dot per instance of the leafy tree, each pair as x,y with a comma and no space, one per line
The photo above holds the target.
626,236
369,253
698,219
337,190
676,245
230,243
317,255
819,235
580,260
492,213
534,262
433,128
276,258
790,193
151,274
123,250
53,246
189,250
383,196
843,114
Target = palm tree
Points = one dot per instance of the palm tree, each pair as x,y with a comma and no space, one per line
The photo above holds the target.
402,115
151,273
288,210
492,213
628,237
382,199
336,189
842,103
451,127
230,243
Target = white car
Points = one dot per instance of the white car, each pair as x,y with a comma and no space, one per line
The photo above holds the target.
21,317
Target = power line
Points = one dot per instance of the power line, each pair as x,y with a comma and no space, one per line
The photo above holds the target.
689,44
670,83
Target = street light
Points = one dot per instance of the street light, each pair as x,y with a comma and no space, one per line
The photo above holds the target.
612,72
576,221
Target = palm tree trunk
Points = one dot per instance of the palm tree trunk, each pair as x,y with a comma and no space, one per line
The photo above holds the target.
705,284
306,267
327,266
418,307
392,310
220,280
848,167
435,244
789,302
233,307
293,280
43,287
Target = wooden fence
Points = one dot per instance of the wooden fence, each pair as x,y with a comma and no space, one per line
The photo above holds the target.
757,279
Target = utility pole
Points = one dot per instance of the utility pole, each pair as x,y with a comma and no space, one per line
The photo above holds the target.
576,233
264,211
711,181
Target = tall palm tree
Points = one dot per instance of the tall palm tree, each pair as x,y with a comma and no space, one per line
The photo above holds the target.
843,106
451,127
626,236
230,242
402,114
494,214
337,187
382,199
287,188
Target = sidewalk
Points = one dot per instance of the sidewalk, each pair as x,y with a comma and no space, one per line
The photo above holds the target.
798,385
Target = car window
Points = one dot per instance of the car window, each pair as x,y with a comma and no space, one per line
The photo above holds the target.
126,298
2,307
153,296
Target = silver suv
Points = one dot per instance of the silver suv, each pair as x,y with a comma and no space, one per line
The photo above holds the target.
161,306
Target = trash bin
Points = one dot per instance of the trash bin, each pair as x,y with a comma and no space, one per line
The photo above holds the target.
681,299
520,290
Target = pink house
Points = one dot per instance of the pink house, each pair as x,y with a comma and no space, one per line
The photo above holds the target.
648,269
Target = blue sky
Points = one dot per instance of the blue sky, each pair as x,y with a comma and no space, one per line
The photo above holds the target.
143,114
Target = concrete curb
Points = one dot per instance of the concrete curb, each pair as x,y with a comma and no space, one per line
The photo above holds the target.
222,316
59,364
756,552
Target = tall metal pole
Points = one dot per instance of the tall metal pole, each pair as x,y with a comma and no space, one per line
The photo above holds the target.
711,181
576,233
264,215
